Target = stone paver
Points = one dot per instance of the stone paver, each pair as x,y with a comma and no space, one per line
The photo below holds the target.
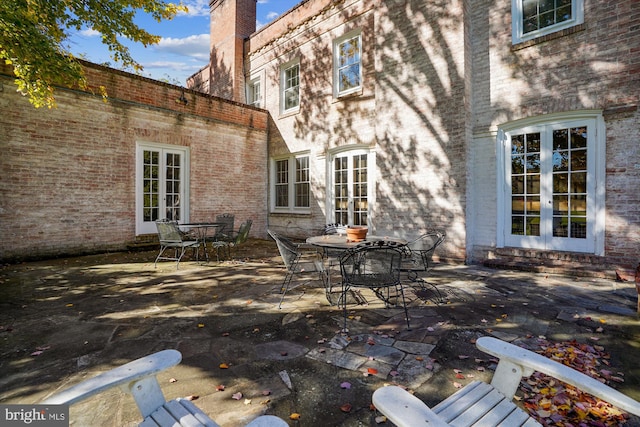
284,360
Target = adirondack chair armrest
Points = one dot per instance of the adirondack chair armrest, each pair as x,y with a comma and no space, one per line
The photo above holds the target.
123,376
404,409
516,362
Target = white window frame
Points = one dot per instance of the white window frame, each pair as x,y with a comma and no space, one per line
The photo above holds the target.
254,97
517,30
285,89
350,152
147,227
356,34
594,243
291,184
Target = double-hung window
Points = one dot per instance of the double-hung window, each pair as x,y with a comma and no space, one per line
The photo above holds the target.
347,52
535,18
291,185
290,85
254,93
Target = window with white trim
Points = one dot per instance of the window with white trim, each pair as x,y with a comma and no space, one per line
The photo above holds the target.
350,194
162,185
551,176
291,184
347,54
254,93
535,18
290,87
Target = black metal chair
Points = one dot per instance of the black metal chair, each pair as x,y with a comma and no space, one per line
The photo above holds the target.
335,228
232,239
375,266
295,257
419,261
226,221
171,236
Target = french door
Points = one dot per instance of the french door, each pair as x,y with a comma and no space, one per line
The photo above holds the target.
351,195
550,181
161,185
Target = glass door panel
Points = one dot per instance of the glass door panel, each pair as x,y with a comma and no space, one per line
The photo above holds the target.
161,186
351,189
548,193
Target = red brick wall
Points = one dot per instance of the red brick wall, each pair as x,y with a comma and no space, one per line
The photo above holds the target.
592,66
68,174
231,22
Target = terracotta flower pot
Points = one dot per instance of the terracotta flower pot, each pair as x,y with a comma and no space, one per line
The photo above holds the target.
356,233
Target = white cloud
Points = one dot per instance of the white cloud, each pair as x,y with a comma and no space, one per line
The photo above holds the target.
195,46
272,15
89,32
172,65
196,7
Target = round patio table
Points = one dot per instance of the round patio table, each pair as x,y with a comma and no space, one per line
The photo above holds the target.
337,241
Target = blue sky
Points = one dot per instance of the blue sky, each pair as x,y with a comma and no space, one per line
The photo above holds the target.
184,47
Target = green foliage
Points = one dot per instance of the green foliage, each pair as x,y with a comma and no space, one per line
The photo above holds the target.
33,33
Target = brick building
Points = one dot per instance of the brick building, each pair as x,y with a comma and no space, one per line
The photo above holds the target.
91,176
512,125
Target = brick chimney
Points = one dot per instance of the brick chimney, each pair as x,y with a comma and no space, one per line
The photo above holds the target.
231,22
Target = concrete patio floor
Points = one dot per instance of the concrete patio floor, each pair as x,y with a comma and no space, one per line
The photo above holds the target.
68,319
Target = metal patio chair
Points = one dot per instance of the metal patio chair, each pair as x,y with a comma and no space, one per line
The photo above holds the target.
170,236
232,239
138,378
295,257
226,221
374,265
420,260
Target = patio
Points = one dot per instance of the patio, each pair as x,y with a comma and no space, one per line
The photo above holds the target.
64,320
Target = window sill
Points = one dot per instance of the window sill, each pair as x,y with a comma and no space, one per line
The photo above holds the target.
291,212
289,113
347,96
548,37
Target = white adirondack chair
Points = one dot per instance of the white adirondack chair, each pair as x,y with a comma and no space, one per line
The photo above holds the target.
487,405
138,378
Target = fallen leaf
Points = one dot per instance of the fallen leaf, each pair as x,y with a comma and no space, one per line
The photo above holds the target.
266,392
345,385
192,397
236,396
381,419
457,385
294,416
372,371
224,366
346,408
220,387
200,325
173,380
247,401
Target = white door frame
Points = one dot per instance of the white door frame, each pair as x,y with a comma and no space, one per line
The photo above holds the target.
594,243
148,227
350,151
